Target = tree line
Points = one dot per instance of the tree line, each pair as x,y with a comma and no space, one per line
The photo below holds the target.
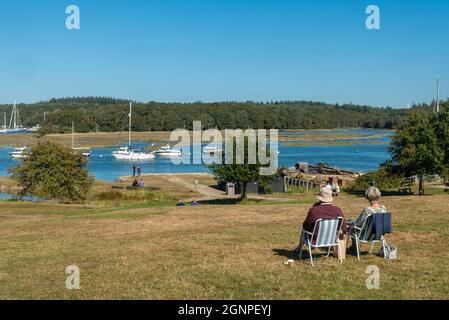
110,115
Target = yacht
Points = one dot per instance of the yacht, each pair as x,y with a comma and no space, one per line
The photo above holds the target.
33,129
129,154
211,150
15,125
167,151
18,153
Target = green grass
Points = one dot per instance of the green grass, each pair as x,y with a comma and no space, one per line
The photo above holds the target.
154,250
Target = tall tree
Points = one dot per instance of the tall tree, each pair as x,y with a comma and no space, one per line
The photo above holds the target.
416,150
242,174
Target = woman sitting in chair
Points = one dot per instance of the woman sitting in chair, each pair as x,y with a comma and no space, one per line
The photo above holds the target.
373,195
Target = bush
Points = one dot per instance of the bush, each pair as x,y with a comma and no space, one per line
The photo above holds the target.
384,180
53,171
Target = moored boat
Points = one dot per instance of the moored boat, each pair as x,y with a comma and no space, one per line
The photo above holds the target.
167,151
18,153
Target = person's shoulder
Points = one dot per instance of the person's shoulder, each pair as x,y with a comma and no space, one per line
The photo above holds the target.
316,207
338,209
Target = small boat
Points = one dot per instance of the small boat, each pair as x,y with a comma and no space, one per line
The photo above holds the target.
33,129
86,152
128,154
18,153
167,151
211,150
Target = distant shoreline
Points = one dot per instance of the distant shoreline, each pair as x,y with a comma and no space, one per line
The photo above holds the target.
112,139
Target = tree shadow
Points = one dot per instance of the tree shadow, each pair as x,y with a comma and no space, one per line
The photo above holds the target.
234,201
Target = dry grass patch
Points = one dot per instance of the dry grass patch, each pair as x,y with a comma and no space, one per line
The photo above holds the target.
225,252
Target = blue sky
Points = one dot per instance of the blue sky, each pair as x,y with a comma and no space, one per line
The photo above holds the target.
215,50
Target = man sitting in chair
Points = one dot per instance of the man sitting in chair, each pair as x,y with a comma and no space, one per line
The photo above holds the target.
323,210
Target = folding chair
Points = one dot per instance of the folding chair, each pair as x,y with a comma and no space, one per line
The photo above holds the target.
325,234
366,234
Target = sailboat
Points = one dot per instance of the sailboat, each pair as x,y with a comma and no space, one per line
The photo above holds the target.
15,125
127,153
86,152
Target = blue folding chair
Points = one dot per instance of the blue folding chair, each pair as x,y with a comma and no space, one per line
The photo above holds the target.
326,234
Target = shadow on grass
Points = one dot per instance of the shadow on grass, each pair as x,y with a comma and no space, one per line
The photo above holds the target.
317,253
385,193
396,193
222,202
293,255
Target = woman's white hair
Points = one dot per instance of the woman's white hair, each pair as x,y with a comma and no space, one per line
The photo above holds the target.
373,195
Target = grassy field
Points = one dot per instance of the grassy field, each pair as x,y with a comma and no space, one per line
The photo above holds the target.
149,249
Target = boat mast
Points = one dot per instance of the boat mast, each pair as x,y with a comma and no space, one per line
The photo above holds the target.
12,121
130,122
438,95
73,134
15,122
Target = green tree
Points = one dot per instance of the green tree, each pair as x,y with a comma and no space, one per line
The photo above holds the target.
440,124
242,174
53,171
416,150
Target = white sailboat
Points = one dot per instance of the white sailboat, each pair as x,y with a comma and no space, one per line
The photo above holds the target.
15,125
127,153
86,152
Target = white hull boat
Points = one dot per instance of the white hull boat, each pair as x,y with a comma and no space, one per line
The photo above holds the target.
127,154
167,151
86,152
211,151
18,153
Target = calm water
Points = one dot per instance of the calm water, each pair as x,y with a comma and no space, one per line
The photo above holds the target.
361,158
8,196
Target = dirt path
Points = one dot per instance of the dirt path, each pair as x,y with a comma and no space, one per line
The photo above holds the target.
208,193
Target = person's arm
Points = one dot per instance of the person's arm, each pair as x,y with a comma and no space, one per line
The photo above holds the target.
361,219
309,223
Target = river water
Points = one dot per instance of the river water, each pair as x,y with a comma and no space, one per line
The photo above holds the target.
361,157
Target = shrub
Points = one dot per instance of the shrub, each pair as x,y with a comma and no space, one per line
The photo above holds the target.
384,180
53,171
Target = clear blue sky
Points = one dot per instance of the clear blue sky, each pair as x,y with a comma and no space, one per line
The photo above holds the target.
215,50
